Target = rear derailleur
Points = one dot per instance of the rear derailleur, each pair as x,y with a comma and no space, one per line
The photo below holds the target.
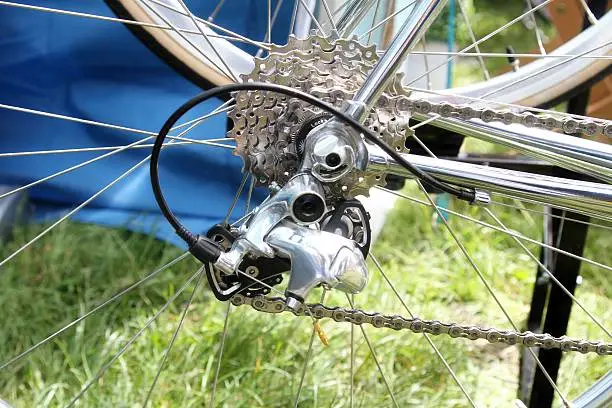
293,231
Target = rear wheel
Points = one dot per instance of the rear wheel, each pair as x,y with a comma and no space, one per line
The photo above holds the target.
383,295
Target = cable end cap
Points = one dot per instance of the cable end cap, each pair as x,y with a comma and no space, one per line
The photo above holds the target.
204,249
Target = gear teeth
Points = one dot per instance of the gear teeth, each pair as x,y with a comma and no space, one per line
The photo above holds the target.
266,125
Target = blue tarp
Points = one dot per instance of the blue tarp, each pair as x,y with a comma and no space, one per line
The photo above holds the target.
99,71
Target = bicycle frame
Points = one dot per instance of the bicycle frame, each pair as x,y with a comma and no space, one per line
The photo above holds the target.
592,158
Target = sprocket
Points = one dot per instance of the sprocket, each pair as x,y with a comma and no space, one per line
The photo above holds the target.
267,126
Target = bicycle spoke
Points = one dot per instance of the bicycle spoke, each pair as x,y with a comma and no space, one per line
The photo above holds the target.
536,29
352,363
73,211
375,358
485,38
523,208
74,119
216,10
245,177
485,282
435,116
314,19
72,168
229,74
103,124
508,232
118,150
468,24
269,30
115,150
131,341
112,299
208,142
352,16
201,30
304,367
225,107
307,359
76,209
98,158
244,217
249,196
590,16
519,80
426,61
550,274
212,25
211,404
293,16
505,55
207,39
268,35
113,19
330,15
387,19
340,7
174,336
369,40
427,337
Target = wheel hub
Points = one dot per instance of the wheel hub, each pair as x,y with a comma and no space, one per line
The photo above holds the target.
270,130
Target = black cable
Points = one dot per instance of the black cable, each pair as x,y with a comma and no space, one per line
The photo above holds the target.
195,241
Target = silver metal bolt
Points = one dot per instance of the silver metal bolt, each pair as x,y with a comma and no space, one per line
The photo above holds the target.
252,271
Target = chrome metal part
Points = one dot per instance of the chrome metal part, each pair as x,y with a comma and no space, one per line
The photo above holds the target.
599,395
304,17
580,155
433,327
271,212
586,197
414,27
481,198
332,152
352,15
319,257
268,127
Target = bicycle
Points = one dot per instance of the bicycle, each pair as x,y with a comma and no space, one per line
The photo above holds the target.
323,119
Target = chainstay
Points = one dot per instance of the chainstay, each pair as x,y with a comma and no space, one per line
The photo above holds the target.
434,327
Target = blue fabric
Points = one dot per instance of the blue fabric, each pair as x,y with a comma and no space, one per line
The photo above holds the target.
99,71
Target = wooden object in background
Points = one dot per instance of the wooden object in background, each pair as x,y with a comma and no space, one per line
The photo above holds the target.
567,16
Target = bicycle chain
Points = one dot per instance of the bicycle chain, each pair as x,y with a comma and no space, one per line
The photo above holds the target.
568,125
351,50
265,124
434,327
330,70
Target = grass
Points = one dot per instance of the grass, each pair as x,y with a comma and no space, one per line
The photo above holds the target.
78,266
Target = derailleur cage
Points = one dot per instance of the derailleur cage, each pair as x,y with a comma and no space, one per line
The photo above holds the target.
258,274
351,220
